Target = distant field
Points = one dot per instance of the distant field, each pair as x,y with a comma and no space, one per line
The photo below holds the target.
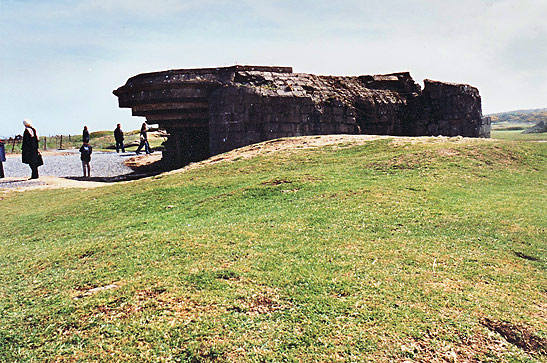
391,251
509,125
517,135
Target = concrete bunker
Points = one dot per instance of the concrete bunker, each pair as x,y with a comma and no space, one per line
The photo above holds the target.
212,110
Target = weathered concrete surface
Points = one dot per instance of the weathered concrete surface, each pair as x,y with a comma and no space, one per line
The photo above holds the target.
213,110
538,128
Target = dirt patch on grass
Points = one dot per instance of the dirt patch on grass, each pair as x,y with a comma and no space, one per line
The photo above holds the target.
140,161
256,300
476,348
259,304
519,335
541,310
166,307
448,152
277,181
494,156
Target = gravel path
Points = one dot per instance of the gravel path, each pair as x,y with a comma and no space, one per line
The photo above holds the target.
67,163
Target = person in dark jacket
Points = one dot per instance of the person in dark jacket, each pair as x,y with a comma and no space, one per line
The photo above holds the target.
85,156
29,150
85,135
144,140
118,135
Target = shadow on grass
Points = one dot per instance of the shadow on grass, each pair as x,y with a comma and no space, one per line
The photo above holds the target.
139,172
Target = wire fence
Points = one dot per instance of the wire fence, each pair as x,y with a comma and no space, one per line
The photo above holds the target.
100,140
13,144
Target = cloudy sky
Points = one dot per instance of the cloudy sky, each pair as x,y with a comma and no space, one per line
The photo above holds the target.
61,59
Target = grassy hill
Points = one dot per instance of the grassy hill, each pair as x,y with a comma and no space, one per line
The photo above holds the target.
521,117
428,249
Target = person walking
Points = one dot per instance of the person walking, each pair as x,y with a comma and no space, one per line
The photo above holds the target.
144,140
29,150
85,135
85,156
118,135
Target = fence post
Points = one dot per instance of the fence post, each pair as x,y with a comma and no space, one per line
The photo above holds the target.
13,145
45,143
61,143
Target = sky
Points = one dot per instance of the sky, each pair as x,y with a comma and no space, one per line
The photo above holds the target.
60,60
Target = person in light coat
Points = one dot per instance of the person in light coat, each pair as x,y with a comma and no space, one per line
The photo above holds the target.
144,140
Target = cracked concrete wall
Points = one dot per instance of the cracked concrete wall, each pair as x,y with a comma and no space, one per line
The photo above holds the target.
240,105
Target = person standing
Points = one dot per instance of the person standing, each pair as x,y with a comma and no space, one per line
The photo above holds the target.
118,135
144,140
85,156
85,135
29,150
2,158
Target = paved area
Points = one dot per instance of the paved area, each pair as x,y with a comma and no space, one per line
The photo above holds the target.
66,163
47,182
19,183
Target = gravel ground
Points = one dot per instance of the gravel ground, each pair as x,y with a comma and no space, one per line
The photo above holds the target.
67,163
6,183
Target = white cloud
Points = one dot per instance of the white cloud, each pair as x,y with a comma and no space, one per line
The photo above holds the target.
143,7
48,47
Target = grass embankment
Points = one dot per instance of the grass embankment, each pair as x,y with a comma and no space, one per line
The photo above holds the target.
386,251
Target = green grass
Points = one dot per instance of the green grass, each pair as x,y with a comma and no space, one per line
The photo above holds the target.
515,135
379,252
511,130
